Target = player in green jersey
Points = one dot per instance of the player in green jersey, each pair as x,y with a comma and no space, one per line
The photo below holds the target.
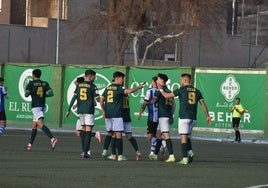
237,112
165,117
127,131
111,103
189,97
86,94
78,126
39,90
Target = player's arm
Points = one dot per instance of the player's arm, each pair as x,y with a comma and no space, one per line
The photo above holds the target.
70,106
50,93
132,90
143,106
205,109
102,101
166,95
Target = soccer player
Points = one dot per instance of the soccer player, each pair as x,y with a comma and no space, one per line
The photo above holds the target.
86,94
152,120
78,126
39,90
189,97
237,112
127,131
111,103
3,95
165,117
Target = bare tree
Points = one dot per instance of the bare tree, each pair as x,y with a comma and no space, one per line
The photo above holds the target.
129,20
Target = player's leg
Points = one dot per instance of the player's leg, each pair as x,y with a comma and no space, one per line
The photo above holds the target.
164,126
108,137
113,148
28,147
89,123
151,135
2,122
184,130
118,128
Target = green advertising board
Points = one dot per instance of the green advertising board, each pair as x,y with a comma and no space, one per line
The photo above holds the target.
221,87
18,107
104,77
138,75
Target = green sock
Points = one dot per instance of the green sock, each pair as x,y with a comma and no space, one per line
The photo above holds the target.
87,141
33,135
134,144
107,142
113,146
82,136
169,146
184,149
47,132
119,145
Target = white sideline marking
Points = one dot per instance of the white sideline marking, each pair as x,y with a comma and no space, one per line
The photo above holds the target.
258,186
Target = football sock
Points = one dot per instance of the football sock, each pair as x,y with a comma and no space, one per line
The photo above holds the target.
184,149
169,146
113,146
93,134
119,145
153,145
2,129
238,136
33,135
158,145
47,132
82,136
134,144
87,141
189,144
106,142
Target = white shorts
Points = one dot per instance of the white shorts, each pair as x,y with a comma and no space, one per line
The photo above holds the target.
114,124
185,126
38,112
127,127
78,125
163,124
86,119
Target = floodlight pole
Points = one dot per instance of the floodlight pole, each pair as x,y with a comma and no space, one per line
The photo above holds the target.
58,34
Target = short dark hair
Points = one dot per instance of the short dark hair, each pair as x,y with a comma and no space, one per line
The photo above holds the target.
80,79
90,72
1,79
37,73
237,98
154,78
164,77
186,75
118,74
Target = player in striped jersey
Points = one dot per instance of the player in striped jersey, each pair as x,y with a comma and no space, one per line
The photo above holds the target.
152,120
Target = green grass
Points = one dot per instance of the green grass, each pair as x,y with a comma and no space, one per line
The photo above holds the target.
216,164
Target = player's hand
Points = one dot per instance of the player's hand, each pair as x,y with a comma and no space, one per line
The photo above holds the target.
209,120
67,114
74,106
139,116
141,85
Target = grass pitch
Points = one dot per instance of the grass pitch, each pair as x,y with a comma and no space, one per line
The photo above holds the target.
216,164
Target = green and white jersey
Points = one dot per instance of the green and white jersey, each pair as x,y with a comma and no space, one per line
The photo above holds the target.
188,97
86,94
126,109
164,104
38,90
113,95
